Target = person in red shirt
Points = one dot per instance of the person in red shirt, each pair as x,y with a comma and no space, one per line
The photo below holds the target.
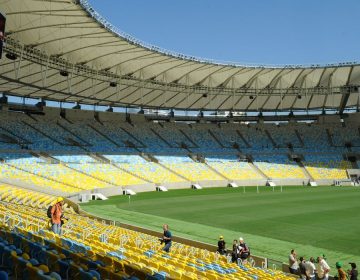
57,215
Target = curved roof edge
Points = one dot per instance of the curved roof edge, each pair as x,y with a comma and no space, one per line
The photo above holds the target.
131,39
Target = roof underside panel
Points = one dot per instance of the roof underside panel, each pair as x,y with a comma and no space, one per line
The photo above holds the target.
52,36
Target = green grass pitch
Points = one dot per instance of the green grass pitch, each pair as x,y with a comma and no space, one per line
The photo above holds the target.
312,220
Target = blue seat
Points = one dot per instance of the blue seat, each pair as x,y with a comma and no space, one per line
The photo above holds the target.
87,275
4,275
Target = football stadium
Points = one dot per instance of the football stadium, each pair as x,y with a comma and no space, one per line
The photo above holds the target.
122,160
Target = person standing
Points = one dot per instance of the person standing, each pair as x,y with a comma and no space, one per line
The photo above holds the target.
310,269
353,273
166,238
221,245
293,263
302,268
341,273
56,215
234,255
323,268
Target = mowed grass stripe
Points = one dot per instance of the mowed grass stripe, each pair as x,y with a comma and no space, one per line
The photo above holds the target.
312,220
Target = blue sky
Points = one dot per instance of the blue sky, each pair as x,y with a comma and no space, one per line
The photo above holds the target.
244,31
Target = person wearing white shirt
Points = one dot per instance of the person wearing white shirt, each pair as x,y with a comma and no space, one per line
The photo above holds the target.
310,269
323,269
293,263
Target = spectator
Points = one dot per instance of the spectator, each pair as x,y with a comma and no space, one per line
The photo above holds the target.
310,269
243,250
302,269
293,263
341,273
353,273
234,251
166,238
221,245
322,269
57,216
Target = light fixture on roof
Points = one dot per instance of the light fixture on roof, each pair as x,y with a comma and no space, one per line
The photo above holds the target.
141,111
251,97
113,84
204,95
77,106
299,96
64,73
11,56
110,109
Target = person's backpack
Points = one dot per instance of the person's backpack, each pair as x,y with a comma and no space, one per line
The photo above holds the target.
49,211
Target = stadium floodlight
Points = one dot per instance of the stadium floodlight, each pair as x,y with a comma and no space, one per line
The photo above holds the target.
11,56
64,73
113,84
299,96
204,95
251,97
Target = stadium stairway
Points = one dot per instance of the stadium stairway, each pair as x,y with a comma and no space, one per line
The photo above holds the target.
299,138
216,139
257,169
305,171
161,138
272,141
44,177
243,139
104,135
32,126
216,171
174,172
188,138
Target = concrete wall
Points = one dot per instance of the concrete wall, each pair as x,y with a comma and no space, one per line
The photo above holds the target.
79,115
112,117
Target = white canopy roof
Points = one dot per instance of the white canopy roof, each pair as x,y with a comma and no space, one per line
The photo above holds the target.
101,65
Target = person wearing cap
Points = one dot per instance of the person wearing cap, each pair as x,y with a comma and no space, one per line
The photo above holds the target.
221,245
57,215
353,273
341,273
323,268
243,250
